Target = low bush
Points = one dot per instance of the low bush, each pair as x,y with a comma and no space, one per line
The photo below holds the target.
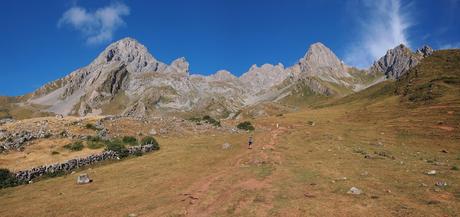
95,145
90,126
149,140
130,140
75,146
195,119
208,119
7,178
95,142
117,146
245,126
54,153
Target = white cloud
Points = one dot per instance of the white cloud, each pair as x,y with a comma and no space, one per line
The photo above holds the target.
97,26
382,27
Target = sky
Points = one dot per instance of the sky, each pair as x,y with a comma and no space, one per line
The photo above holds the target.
41,42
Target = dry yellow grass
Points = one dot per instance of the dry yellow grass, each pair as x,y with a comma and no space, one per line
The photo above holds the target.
294,170
40,152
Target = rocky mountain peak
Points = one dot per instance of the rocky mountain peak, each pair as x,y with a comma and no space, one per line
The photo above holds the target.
223,75
321,56
399,60
320,61
179,66
259,78
130,52
425,51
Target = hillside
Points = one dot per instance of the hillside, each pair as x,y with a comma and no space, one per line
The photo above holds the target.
384,140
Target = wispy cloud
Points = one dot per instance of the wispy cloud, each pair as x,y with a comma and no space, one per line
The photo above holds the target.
450,45
96,26
383,26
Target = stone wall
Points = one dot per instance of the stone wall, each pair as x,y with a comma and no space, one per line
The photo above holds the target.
25,176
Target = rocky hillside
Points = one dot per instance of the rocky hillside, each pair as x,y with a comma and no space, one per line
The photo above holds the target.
126,79
399,60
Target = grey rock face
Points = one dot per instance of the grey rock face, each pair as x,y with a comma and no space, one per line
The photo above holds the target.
399,60
321,62
126,76
223,75
263,77
425,51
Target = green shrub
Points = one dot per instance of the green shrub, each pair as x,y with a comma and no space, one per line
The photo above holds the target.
130,140
95,142
95,145
245,126
75,146
7,179
195,119
149,140
90,126
208,119
117,146
94,138
455,167
54,153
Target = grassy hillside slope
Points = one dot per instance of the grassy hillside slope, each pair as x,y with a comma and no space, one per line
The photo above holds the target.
302,164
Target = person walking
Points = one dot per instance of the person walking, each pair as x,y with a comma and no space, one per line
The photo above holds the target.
250,142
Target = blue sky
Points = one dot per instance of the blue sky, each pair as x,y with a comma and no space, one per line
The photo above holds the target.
42,42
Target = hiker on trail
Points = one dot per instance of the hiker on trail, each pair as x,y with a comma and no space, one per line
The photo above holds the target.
250,142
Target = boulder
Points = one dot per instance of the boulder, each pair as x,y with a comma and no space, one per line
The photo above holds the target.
354,190
226,146
83,179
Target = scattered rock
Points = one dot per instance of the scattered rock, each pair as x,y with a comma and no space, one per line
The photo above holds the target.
354,190
153,132
308,195
341,179
132,215
226,146
444,151
431,172
103,133
441,184
433,202
83,179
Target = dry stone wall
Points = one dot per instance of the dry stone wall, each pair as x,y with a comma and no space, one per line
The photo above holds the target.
25,176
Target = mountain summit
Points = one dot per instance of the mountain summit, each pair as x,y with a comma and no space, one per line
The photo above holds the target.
399,60
126,79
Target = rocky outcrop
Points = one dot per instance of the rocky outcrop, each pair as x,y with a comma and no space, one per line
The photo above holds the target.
399,60
17,140
264,77
321,62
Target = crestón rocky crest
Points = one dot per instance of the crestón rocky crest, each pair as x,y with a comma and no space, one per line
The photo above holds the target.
126,79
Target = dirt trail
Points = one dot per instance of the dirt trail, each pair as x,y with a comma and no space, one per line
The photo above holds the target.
199,202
